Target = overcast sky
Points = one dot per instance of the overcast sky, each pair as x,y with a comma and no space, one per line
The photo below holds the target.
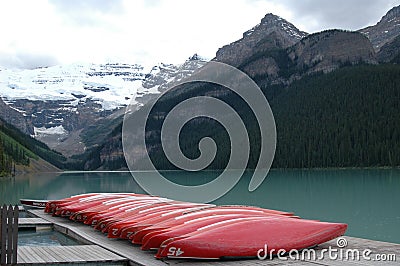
49,32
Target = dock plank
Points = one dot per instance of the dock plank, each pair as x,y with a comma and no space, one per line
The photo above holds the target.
44,255
66,254
137,257
48,254
22,257
57,254
30,254
33,222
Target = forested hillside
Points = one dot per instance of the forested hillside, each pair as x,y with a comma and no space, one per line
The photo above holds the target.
17,148
347,118
11,153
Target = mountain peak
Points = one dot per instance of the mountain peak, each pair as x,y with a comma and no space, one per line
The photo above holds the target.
273,23
392,13
273,32
196,57
269,17
386,30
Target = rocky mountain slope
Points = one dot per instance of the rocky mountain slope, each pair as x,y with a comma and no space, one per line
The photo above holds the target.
58,104
385,31
327,50
390,52
15,117
271,33
276,52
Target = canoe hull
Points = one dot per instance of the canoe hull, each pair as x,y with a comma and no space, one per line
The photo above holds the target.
33,204
245,239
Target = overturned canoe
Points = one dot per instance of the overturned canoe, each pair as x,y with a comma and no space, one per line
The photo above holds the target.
154,239
209,212
249,237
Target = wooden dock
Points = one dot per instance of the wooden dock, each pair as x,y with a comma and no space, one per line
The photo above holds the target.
135,256
67,254
33,223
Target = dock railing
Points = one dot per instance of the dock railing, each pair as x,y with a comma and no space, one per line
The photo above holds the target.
8,234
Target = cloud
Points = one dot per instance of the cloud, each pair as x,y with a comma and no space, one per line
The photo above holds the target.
82,6
86,12
152,31
316,15
152,3
24,60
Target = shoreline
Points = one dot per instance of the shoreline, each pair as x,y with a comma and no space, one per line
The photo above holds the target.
247,170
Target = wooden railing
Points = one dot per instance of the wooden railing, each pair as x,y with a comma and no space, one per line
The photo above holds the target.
8,234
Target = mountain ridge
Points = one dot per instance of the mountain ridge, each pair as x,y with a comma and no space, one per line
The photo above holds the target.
257,39
385,30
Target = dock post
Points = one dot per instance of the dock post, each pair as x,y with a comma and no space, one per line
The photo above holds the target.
8,234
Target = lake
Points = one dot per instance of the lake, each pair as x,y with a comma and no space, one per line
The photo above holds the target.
366,199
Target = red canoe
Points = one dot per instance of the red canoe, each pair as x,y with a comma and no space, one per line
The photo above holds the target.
51,205
102,220
94,218
156,218
154,239
69,208
115,229
247,238
219,210
109,206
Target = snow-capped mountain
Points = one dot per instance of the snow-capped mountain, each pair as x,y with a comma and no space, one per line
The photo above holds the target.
163,76
109,85
60,102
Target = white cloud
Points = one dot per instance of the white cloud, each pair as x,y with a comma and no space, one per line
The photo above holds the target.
317,15
23,60
150,31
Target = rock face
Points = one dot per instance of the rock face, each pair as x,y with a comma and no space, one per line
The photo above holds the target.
390,52
16,118
327,50
272,33
164,75
276,52
58,104
385,31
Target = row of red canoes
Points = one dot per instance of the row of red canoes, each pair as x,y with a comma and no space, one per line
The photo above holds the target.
191,230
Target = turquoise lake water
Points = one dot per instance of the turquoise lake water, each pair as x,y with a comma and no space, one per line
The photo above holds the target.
366,199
